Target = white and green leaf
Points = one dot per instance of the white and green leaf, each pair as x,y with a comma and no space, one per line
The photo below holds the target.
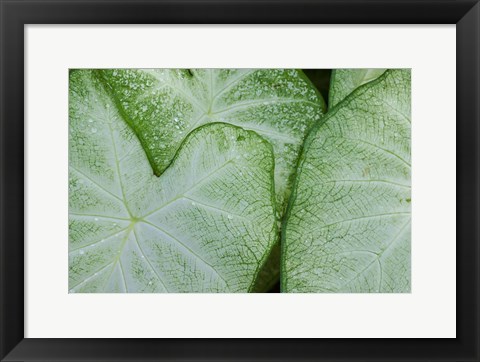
206,225
164,105
347,227
345,81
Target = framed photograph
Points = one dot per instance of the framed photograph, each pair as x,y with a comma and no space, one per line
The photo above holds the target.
239,180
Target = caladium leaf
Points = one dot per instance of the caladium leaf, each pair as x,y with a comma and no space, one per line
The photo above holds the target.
347,226
206,225
345,81
164,105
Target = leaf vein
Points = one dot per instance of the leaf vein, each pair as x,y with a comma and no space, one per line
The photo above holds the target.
185,247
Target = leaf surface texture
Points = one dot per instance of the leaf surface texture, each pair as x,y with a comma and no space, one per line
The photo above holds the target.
348,223
345,81
206,225
164,105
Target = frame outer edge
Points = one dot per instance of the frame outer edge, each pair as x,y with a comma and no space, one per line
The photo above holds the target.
11,108
468,181
11,178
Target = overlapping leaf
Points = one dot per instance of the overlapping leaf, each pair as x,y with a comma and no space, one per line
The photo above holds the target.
348,222
345,81
206,225
164,105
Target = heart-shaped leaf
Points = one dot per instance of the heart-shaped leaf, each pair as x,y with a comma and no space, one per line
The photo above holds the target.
164,105
206,225
347,227
345,81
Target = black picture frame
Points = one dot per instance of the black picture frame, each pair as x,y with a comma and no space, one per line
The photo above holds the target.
16,13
